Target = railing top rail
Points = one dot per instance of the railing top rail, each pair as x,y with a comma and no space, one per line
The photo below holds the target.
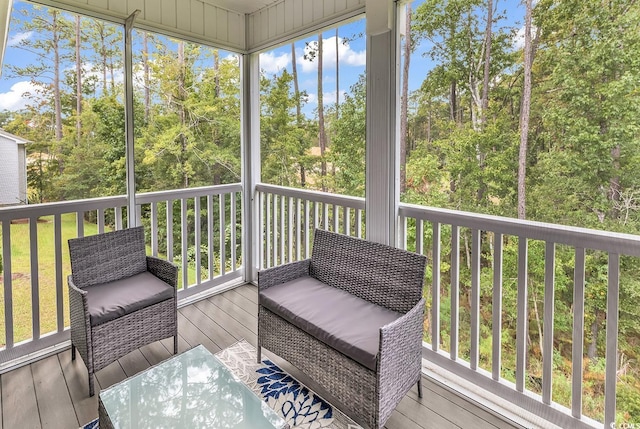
48,209
305,194
613,242
203,191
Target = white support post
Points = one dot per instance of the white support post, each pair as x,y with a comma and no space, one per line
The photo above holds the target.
132,218
250,129
382,159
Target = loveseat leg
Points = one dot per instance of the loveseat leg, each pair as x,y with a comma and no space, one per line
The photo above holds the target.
73,352
420,387
258,354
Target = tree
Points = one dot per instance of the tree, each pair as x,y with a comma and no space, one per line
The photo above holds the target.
524,112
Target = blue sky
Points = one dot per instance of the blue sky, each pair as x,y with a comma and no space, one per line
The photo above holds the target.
351,52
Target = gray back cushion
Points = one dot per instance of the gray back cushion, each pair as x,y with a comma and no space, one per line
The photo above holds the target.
107,257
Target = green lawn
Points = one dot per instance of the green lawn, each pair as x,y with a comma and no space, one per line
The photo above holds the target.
21,273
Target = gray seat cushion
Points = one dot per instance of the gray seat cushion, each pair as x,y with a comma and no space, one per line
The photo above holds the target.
109,301
343,321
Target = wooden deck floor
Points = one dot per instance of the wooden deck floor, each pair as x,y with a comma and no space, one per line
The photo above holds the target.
53,392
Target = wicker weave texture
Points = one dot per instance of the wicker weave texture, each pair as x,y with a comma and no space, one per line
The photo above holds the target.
107,257
102,344
386,276
351,384
383,275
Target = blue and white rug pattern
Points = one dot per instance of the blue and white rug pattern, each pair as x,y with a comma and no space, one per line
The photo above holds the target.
299,406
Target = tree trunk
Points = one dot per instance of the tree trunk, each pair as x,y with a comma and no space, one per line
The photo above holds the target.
78,80
524,113
337,77
592,351
296,89
57,100
404,100
216,69
322,137
146,76
103,53
182,112
453,108
487,63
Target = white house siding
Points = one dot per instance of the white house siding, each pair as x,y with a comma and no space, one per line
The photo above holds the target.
285,19
22,172
9,176
194,20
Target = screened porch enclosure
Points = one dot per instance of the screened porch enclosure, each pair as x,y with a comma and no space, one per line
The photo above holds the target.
491,281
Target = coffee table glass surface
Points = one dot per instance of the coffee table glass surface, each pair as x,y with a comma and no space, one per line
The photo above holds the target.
190,390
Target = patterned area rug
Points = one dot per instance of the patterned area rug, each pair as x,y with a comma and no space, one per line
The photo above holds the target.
299,406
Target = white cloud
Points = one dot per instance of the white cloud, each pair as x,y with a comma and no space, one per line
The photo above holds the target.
15,39
518,38
271,64
14,99
328,98
346,55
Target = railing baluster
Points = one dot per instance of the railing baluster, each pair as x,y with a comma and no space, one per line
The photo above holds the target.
282,229
234,229
336,218
307,229
419,236
496,308
197,234
325,216
578,333
346,220
7,280
275,230
402,233
268,238
263,230
100,221
223,234
521,325
549,292
80,224
57,243
611,376
435,289
316,214
154,229
455,290
35,283
170,230
475,299
290,227
118,216
184,242
298,230
359,223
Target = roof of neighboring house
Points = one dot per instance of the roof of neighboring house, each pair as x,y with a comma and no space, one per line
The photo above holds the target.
16,139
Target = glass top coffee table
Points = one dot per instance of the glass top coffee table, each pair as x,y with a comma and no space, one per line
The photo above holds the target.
190,390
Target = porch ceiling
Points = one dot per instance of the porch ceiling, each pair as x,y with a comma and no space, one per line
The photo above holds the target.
243,6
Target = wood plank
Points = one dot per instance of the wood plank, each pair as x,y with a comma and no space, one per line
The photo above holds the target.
248,291
110,375
54,400
133,363
77,379
193,335
433,413
156,352
215,332
241,301
19,405
248,320
229,323
183,345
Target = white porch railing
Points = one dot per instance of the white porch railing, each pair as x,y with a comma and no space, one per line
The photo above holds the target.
208,216
288,216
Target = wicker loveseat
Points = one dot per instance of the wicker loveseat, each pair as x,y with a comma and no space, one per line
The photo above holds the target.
350,317
120,299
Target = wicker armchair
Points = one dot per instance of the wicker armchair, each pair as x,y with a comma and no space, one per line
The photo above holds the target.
351,318
119,298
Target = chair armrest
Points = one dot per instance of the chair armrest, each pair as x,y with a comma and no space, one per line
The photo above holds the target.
163,269
400,356
283,273
80,320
